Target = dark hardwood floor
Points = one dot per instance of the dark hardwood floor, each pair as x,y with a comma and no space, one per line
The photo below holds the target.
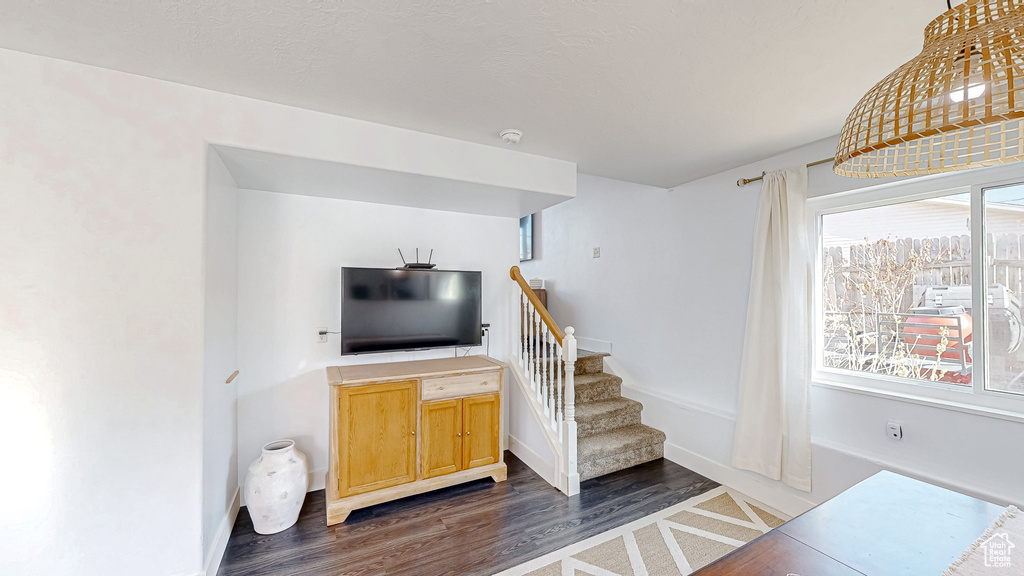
477,528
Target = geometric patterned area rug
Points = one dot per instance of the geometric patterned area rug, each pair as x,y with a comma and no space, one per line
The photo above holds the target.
673,542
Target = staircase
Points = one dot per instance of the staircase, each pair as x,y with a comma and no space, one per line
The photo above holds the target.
610,436
589,426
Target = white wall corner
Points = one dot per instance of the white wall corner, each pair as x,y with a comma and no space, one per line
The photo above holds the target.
220,542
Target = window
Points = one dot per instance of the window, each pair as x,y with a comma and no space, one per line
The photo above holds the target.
896,290
920,287
1004,266
526,238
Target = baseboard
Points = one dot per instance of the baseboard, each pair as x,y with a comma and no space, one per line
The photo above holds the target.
220,541
600,346
738,480
535,461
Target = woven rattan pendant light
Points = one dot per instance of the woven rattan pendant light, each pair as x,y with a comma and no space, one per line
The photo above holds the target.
959,104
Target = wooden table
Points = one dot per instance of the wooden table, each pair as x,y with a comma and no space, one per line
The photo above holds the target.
888,525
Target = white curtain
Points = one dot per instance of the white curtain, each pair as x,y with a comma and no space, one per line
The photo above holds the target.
773,435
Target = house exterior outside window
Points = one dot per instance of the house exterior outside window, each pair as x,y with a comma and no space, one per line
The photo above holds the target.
919,288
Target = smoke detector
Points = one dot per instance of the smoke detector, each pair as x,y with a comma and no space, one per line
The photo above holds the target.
511,136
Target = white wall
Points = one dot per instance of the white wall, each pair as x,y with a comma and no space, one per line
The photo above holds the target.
526,438
102,296
670,292
220,359
101,230
290,253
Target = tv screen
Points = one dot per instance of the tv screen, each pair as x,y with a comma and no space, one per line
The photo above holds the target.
384,309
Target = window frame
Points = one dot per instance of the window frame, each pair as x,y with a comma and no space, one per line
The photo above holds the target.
526,228
976,398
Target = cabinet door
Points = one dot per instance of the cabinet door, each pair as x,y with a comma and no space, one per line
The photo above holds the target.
441,439
480,426
376,436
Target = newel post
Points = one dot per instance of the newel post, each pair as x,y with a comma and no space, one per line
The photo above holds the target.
572,476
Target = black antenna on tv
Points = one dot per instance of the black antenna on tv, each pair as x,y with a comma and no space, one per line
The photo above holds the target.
418,265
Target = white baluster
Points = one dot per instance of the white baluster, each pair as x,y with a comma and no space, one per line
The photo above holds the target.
522,330
551,381
529,343
558,402
540,359
546,378
539,366
526,335
518,305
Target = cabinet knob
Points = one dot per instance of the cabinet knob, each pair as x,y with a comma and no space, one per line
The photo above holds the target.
467,432
413,432
440,387
460,434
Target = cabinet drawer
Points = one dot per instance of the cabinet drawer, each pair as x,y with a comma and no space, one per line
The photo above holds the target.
458,386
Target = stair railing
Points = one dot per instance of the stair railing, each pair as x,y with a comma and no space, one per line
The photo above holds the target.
546,357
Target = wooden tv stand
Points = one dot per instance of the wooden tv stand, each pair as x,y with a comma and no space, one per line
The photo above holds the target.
403,428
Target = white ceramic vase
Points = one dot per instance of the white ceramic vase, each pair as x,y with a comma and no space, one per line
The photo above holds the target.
275,487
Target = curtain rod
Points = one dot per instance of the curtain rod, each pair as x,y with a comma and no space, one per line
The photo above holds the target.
744,181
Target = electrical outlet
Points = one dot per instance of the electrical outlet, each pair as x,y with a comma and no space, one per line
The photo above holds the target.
597,252
894,430
321,335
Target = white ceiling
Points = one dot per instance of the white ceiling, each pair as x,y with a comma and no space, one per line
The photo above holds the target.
652,91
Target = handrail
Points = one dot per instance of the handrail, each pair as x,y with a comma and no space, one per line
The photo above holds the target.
555,330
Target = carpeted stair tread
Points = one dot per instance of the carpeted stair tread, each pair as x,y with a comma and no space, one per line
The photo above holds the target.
598,379
594,387
584,379
618,441
601,408
605,415
587,362
606,465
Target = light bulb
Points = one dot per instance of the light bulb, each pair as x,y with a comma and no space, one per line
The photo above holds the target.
973,91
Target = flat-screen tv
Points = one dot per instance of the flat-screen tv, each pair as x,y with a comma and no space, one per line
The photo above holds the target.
384,309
